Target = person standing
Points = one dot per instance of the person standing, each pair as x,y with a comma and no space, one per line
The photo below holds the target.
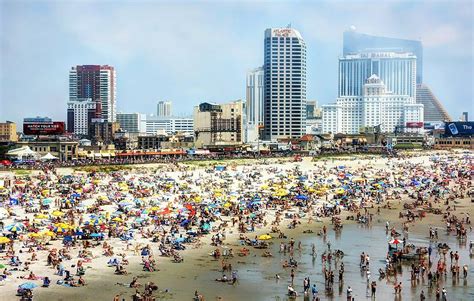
444,294
349,293
373,288
314,291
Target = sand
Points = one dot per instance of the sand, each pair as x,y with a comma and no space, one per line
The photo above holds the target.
199,269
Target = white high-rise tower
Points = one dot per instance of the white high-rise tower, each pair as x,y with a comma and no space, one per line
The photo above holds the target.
285,84
254,105
163,109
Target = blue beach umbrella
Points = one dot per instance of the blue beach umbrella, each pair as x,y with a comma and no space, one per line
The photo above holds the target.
46,201
28,285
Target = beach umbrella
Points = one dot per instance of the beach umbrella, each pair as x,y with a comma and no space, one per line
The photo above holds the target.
4,240
34,235
48,233
394,242
15,227
46,201
95,235
2,266
179,239
41,216
301,197
28,285
126,203
117,219
57,213
165,211
264,237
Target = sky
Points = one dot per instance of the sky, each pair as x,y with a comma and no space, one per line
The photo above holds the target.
194,51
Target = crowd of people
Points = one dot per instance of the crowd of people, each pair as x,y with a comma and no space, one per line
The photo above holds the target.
71,220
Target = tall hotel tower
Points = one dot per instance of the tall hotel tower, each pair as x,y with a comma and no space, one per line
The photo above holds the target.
96,83
285,84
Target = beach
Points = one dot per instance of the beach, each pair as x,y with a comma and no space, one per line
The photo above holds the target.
256,275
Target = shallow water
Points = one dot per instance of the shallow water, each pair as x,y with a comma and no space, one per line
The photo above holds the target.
258,277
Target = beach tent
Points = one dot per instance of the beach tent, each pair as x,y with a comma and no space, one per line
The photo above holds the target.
48,157
22,153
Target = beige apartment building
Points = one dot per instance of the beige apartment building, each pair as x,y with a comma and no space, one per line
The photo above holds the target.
218,124
8,132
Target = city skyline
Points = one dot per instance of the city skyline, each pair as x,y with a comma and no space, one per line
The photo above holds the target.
199,62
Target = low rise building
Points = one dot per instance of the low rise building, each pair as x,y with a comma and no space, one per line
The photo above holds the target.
101,132
170,125
218,124
8,132
132,122
61,147
454,142
376,107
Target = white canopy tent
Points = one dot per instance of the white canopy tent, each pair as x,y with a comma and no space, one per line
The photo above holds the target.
48,157
23,153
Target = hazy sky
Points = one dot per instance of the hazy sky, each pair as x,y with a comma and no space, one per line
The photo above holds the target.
190,52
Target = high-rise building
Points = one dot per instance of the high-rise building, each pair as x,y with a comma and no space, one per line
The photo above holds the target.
284,83
313,111
218,124
131,122
97,83
255,95
163,109
254,105
465,116
354,42
80,112
397,70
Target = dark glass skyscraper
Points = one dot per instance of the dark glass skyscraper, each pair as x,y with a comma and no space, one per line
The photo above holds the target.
355,42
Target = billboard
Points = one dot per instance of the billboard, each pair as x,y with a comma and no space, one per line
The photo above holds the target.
44,128
459,128
415,125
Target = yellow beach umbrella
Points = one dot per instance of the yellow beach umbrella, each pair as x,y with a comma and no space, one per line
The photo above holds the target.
34,235
57,213
4,240
264,237
48,233
41,216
